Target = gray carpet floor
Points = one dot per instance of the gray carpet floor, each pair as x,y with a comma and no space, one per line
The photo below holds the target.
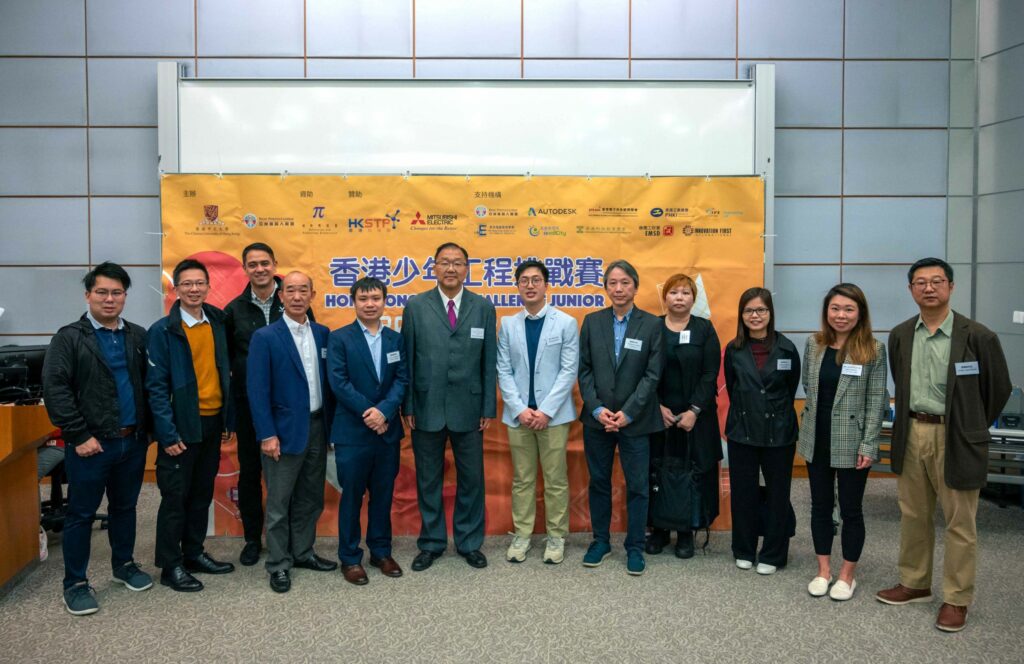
700,610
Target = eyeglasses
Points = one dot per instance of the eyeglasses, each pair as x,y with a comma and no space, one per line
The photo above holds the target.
760,311
458,265
921,284
103,293
189,285
528,281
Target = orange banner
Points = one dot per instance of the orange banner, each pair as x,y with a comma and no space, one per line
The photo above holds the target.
338,229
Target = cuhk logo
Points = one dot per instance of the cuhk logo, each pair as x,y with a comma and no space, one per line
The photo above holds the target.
480,211
250,220
657,212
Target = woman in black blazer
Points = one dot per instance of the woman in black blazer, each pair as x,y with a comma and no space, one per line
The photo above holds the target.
762,371
687,396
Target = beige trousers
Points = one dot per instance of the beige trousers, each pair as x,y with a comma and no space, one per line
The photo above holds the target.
920,483
526,447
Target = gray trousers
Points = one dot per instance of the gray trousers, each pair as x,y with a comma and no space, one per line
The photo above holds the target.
295,499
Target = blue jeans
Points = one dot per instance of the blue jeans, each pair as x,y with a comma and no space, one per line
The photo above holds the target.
116,471
634,455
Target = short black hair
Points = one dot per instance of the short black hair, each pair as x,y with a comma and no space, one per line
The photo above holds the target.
625,267
189,264
367,284
930,262
526,265
258,246
108,270
451,245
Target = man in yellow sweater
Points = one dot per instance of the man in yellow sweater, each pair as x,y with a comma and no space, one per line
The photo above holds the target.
187,386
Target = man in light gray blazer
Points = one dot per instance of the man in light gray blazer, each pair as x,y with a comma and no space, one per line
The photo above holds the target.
538,355
449,336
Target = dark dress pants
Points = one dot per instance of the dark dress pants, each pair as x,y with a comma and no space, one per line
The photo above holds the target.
361,469
186,491
250,474
634,455
852,482
776,464
116,471
295,499
468,523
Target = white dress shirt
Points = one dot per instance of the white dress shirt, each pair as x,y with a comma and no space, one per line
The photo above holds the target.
302,335
457,300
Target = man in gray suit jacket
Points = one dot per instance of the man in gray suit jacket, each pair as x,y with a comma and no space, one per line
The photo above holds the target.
450,341
620,366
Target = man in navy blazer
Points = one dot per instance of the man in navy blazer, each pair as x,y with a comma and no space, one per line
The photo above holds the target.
368,375
287,385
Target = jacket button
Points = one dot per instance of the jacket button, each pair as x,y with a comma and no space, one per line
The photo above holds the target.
762,391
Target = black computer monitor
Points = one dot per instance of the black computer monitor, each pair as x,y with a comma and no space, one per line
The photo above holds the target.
21,373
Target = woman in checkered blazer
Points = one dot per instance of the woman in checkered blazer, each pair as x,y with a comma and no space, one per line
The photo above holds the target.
844,376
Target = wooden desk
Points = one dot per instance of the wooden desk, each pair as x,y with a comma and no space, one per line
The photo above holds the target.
22,429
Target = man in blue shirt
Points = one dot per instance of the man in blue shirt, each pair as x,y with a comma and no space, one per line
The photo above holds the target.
93,388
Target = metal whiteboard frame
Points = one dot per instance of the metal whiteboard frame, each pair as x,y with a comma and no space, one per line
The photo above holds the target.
762,77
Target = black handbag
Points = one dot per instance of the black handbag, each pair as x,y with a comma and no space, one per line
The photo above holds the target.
675,496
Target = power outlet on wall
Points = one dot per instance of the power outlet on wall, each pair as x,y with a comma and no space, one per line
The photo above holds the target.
1018,317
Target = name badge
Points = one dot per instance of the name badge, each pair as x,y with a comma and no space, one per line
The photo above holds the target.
633,344
853,369
684,337
784,365
967,369
323,353
476,333
394,356
552,341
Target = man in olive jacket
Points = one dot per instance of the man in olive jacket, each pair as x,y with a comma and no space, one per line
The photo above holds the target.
951,383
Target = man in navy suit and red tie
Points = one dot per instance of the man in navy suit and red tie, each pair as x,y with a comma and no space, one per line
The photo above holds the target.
368,375
286,379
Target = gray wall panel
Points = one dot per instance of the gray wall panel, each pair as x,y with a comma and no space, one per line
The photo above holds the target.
42,91
807,230
683,29
897,94
141,27
575,29
807,162
123,161
902,29
798,292
355,27
42,27
879,230
44,231
911,162
1001,86
42,162
126,230
1001,157
791,29
1001,228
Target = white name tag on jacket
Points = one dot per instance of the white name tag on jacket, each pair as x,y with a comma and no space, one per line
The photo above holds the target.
852,369
684,337
784,365
554,340
394,356
323,353
633,344
476,333
967,369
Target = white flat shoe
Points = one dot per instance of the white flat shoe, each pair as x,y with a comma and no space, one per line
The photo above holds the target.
818,587
765,569
841,591
744,564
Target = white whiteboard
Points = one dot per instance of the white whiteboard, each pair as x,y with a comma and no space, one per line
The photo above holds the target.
466,127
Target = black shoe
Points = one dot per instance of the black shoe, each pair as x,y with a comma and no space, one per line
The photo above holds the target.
206,565
177,578
475,559
317,564
280,581
656,541
684,544
250,554
424,559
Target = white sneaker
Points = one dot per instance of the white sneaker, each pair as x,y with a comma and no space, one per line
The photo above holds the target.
841,591
818,587
517,550
763,568
744,564
554,550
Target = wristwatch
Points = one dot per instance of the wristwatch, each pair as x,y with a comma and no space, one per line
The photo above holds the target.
695,410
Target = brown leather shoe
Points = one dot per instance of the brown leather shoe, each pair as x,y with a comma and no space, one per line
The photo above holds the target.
387,566
900,594
952,618
355,574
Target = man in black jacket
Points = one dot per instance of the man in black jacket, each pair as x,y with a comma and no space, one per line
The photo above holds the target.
92,384
258,305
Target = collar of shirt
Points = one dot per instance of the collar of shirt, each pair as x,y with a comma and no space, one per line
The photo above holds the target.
96,325
296,328
540,314
191,321
367,332
624,319
256,298
946,327
457,299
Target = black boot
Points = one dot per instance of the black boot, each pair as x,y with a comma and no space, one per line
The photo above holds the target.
684,544
656,541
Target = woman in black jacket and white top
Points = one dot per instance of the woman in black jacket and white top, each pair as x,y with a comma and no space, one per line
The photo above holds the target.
762,371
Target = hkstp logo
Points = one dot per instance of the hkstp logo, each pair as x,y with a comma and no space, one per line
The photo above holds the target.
657,212
355,225
394,219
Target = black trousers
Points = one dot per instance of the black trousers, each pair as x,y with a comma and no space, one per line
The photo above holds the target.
852,482
250,474
776,464
186,491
